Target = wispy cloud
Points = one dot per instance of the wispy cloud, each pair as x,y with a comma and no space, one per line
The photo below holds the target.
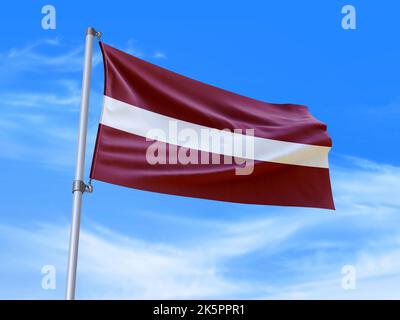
159,55
70,96
282,255
377,277
118,266
132,47
39,111
297,254
45,55
372,185
49,120
55,56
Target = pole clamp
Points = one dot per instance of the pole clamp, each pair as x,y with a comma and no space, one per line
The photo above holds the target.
94,33
79,185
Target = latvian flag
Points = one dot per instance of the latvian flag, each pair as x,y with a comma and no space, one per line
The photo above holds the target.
163,132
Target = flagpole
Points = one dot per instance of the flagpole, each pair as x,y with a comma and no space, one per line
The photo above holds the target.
78,186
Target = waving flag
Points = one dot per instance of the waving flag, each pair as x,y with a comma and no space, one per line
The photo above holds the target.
163,132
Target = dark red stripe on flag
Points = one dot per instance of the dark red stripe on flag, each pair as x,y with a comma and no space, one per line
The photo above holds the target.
120,158
145,85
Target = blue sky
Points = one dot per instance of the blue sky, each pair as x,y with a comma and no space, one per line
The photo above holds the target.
136,244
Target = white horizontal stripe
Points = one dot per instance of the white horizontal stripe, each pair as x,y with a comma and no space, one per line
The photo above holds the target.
125,117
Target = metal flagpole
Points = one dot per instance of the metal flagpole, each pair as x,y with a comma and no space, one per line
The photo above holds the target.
78,186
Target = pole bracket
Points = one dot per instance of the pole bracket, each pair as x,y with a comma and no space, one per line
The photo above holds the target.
79,185
94,32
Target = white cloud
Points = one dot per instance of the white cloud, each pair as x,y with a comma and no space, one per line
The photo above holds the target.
132,48
112,265
287,254
54,56
49,120
159,55
32,58
371,185
302,252
377,277
39,112
70,97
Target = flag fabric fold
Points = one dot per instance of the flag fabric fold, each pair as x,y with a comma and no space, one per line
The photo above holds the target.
163,132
